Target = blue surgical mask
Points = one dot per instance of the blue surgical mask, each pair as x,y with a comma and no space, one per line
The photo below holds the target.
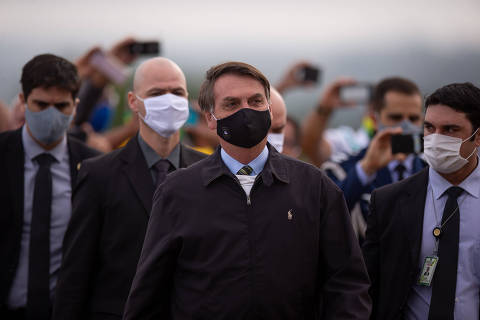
49,125
407,127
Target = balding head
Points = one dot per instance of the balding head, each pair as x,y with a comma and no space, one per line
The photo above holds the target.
155,77
158,72
279,120
279,112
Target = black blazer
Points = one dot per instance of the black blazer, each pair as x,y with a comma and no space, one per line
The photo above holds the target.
392,247
111,207
11,199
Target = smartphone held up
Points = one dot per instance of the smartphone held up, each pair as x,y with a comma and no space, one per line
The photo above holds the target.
309,74
358,93
407,143
145,48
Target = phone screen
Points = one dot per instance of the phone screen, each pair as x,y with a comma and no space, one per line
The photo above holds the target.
360,93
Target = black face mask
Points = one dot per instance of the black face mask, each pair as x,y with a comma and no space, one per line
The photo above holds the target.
245,128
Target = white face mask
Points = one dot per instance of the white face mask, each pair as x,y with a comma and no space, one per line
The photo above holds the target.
276,140
165,114
442,152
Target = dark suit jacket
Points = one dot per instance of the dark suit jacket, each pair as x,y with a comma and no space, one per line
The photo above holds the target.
287,251
392,246
11,199
111,207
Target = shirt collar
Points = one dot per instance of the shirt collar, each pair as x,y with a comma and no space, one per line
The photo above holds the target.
408,163
256,164
33,149
152,157
471,184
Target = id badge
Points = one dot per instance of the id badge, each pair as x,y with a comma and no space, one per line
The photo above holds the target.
429,265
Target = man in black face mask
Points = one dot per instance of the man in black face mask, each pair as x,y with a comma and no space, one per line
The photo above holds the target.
248,233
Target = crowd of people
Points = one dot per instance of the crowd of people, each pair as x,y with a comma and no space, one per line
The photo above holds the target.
125,198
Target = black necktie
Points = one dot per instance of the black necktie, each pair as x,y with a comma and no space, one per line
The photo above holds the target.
38,296
245,171
400,169
444,283
162,167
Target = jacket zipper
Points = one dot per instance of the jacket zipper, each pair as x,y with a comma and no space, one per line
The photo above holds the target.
249,201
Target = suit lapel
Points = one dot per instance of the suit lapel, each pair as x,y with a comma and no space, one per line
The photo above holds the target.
413,212
16,173
135,168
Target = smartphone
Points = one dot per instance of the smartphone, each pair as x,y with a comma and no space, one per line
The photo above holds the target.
406,143
310,74
145,48
109,67
359,93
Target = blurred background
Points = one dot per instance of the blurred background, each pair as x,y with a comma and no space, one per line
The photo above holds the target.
433,42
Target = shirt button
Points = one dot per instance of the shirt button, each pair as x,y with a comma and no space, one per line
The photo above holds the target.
456,299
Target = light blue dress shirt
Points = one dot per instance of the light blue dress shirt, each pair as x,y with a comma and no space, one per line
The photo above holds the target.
366,179
256,164
60,214
468,271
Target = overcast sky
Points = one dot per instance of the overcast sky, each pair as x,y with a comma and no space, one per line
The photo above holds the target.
273,33
332,22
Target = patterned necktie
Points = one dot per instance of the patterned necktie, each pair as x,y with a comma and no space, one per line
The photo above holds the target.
444,284
38,295
245,171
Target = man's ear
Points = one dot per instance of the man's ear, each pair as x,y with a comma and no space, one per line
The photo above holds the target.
211,122
131,102
21,97
75,105
477,138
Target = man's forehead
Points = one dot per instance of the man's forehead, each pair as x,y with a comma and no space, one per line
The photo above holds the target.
50,94
233,85
401,102
442,115
160,73
164,87
161,82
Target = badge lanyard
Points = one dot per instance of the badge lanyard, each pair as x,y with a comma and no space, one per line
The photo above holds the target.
430,262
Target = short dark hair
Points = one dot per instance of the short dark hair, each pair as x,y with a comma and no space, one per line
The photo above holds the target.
206,99
461,97
48,70
395,84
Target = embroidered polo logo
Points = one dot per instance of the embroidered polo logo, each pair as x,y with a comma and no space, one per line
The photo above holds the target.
290,214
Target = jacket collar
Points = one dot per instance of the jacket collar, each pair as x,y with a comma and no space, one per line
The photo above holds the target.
274,167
